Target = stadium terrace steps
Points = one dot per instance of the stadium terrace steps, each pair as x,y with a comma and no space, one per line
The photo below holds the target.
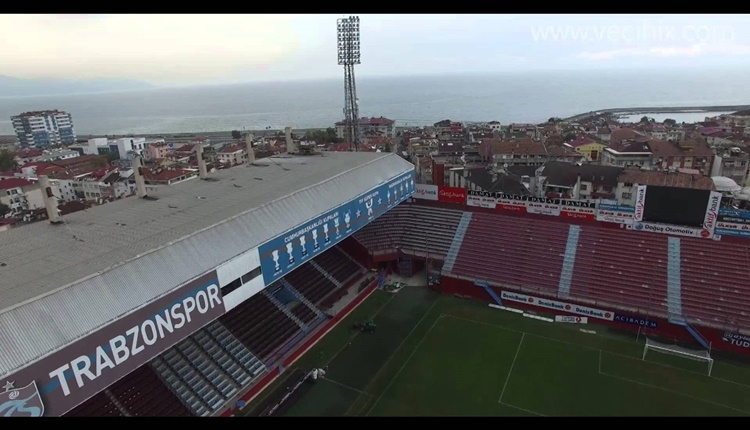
413,230
98,406
260,325
311,283
301,298
674,285
513,251
621,268
326,274
140,393
143,394
714,277
569,260
360,267
283,308
458,239
116,402
337,264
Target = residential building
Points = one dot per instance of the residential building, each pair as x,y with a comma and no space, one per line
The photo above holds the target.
486,179
524,151
587,147
685,154
51,156
233,154
377,126
741,118
557,179
158,150
733,163
447,127
42,129
20,195
630,179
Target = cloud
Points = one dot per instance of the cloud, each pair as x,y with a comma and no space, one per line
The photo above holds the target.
668,51
156,48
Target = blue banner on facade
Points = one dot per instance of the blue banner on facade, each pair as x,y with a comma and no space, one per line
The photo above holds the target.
734,213
735,233
284,253
616,208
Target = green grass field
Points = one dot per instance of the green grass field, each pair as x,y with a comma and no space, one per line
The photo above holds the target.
434,355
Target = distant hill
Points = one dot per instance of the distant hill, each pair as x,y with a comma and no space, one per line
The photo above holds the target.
17,87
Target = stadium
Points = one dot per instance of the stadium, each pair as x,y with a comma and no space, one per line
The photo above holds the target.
218,296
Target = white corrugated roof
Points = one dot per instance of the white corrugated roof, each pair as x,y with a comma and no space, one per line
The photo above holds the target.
725,185
62,282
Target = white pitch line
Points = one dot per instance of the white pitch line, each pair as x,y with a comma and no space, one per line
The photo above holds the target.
510,371
403,366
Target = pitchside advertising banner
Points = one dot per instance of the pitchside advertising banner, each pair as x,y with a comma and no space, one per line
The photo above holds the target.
68,377
284,253
736,339
733,222
571,320
426,192
452,195
558,306
533,205
617,214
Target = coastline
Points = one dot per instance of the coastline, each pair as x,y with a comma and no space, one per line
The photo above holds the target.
574,118
658,110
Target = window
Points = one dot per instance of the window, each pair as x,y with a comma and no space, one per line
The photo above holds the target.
242,280
627,196
627,184
584,187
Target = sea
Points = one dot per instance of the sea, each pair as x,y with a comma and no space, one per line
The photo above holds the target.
415,100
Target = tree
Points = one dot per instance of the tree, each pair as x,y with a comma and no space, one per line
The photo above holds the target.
670,122
569,137
388,147
7,160
4,209
236,134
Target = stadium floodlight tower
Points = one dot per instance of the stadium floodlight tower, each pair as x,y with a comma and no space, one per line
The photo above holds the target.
349,55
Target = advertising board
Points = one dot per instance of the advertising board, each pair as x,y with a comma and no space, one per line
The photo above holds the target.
557,305
66,378
452,195
426,192
571,320
672,229
288,251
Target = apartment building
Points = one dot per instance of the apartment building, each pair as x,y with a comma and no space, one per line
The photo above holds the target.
20,195
370,126
630,179
42,129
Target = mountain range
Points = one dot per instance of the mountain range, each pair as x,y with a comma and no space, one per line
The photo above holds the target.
19,87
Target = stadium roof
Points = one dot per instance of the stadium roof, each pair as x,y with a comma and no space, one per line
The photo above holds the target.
58,283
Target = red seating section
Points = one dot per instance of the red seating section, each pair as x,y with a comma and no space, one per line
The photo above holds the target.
621,267
141,393
260,325
716,282
513,251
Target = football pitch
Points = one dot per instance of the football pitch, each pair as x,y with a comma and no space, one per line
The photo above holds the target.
437,355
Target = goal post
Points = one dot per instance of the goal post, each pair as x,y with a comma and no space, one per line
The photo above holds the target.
690,354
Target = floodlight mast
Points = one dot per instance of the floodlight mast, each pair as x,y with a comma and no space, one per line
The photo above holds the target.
348,56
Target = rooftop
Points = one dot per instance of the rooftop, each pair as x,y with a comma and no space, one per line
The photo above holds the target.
95,261
665,179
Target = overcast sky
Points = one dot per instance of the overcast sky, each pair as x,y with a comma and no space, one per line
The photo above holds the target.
218,49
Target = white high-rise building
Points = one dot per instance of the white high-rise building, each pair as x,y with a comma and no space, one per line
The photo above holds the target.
44,128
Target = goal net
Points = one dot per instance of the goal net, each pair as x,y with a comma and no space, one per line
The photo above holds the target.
690,354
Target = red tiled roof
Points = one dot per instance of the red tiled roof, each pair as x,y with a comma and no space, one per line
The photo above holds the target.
186,148
629,146
164,175
7,184
685,148
518,146
581,141
29,153
624,134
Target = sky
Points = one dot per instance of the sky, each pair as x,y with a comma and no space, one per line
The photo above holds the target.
224,49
